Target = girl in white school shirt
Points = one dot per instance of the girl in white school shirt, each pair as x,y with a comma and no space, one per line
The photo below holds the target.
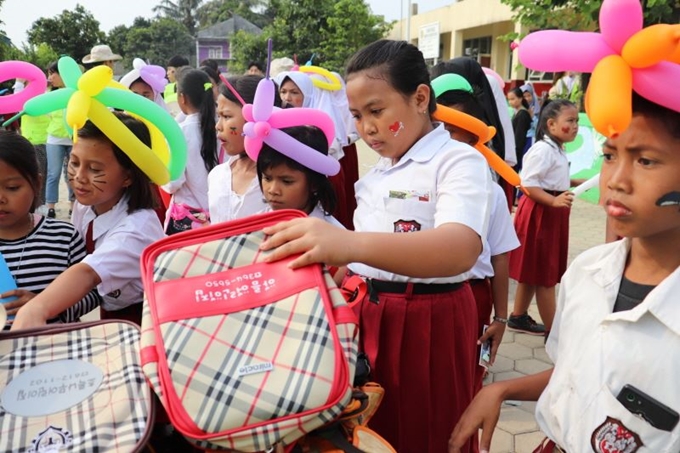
542,218
418,324
618,317
233,190
114,211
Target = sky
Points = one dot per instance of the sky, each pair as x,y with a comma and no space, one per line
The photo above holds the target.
18,15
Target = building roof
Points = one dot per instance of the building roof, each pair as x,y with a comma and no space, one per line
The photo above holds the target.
229,27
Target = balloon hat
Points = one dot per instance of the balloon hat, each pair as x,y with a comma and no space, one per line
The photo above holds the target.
37,84
87,96
264,124
152,75
484,133
623,57
329,81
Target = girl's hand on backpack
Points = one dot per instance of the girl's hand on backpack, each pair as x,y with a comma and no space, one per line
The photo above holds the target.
563,200
316,240
22,295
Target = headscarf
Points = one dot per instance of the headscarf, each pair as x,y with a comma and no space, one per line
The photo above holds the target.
473,72
536,106
152,75
303,82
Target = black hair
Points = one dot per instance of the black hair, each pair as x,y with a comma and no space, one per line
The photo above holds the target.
209,62
257,64
16,151
550,111
473,72
464,101
321,189
670,119
245,86
192,84
142,195
177,61
213,73
520,94
53,67
399,62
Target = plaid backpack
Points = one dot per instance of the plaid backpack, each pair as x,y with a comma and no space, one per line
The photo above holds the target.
244,355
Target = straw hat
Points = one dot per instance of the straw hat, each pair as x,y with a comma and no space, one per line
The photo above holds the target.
100,53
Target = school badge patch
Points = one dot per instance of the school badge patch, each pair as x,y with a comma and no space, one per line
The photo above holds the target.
613,437
406,226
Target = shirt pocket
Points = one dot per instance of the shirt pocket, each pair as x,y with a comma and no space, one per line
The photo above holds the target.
408,215
608,427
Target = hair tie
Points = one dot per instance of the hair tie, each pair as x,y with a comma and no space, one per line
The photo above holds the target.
207,86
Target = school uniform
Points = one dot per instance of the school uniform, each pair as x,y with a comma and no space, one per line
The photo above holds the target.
225,204
420,333
597,351
500,238
189,203
543,231
115,241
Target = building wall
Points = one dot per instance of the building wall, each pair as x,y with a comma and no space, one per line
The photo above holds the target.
468,19
204,46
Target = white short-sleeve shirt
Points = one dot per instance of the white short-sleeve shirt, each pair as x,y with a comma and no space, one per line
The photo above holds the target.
191,188
119,240
437,181
545,165
500,236
596,352
224,203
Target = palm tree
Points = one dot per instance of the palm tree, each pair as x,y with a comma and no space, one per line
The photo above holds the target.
183,11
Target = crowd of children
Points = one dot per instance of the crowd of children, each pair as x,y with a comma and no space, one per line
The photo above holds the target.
437,295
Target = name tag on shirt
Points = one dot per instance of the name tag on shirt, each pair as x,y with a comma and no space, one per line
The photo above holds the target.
408,194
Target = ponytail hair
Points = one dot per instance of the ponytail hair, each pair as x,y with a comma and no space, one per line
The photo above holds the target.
197,87
550,111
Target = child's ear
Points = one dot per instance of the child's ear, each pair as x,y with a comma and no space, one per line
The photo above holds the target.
422,97
127,182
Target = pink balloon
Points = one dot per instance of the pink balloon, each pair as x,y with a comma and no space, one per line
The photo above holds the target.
307,116
37,84
559,50
619,20
263,103
495,75
653,83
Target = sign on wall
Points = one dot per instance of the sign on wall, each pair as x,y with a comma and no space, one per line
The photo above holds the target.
428,40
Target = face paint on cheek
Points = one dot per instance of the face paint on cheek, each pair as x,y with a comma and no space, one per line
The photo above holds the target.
396,127
566,130
669,199
232,131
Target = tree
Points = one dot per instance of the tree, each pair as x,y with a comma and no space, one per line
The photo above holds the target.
41,55
73,32
155,43
183,11
118,38
216,11
328,29
582,14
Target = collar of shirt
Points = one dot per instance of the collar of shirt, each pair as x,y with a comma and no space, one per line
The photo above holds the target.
552,143
658,302
106,221
422,151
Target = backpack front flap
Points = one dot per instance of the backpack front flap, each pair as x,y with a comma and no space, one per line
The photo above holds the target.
244,354
75,387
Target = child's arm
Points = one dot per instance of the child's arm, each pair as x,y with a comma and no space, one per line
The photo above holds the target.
450,249
484,410
563,200
499,291
66,290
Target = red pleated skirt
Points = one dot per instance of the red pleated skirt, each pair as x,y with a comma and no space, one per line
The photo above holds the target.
481,289
350,167
543,232
421,349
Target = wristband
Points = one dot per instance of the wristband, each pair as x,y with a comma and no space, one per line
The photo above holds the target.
501,320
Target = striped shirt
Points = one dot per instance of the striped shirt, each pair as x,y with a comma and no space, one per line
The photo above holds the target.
38,258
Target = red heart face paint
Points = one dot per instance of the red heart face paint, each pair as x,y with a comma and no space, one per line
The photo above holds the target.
396,127
566,130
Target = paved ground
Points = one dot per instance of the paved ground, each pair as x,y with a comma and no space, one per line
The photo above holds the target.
521,354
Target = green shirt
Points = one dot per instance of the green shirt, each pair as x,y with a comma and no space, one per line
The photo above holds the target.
34,128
